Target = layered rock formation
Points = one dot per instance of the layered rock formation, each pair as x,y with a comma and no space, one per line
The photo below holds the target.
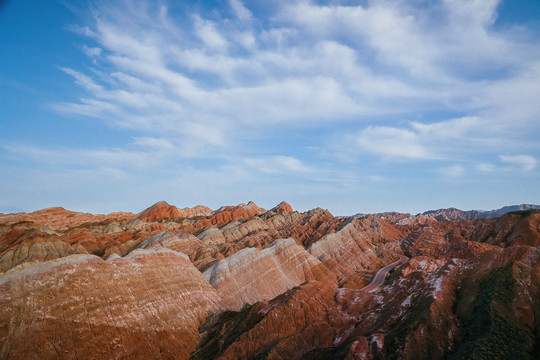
465,309
282,207
356,246
159,210
145,305
253,275
162,210
58,218
243,282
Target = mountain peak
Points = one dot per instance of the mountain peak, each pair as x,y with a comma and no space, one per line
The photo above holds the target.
283,207
159,210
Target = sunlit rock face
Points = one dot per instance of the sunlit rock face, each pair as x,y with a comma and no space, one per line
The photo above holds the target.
356,246
80,306
253,275
162,210
283,207
245,282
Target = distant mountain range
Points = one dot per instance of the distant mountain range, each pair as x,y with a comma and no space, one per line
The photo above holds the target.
456,214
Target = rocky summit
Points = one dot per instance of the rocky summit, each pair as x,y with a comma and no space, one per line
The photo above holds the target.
243,282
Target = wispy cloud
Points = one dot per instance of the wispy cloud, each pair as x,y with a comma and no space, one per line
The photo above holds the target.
452,171
240,10
211,37
525,162
277,165
91,51
312,89
510,163
202,77
146,153
388,143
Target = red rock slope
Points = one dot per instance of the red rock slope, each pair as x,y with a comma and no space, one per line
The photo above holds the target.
243,282
253,275
146,305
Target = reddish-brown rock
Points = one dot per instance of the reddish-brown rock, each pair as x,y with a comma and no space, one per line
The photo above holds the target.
353,247
303,319
162,210
60,219
418,220
517,228
252,275
470,288
227,214
37,249
477,307
159,210
198,210
146,305
282,207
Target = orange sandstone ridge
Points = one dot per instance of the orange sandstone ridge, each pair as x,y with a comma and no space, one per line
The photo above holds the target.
162,209
245,282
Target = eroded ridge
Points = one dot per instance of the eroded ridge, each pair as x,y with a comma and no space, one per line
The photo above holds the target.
246,282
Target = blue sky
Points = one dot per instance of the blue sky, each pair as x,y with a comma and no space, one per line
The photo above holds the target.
353,106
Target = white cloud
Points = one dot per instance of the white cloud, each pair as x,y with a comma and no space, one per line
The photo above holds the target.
144,153
92,51
84,81
123,43
88,107
389,143
418,40
512,103
155,143
240,10
227,94
377,178
452,171
512,163
525,162
311,64
207,32
486,167
397,80
276,165
136,84
453,128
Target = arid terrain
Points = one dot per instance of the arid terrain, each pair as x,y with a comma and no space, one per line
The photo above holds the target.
242,282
